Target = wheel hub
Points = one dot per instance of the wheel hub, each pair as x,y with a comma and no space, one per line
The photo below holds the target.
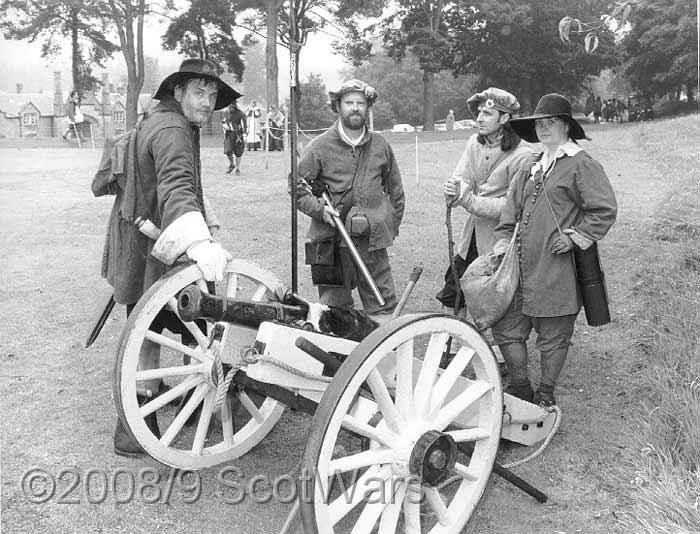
433,457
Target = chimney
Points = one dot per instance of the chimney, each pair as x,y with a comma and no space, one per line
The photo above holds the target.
19,88
105,83
59,109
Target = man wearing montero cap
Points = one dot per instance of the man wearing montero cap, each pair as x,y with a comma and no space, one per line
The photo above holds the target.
168,191
492,158
362,177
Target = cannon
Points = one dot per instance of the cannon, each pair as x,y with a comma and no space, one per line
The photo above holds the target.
415,403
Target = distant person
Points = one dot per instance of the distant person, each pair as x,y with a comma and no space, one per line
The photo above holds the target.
491,159
597,109
450,121
77,123
234,125
254,129
564,201
275,128
361,174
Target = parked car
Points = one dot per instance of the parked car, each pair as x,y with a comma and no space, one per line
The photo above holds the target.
465,124
403,128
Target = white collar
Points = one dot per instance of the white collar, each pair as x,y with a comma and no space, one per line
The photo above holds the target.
545,165
567,149
345,137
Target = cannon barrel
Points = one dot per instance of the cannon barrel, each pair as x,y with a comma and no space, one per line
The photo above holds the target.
193,304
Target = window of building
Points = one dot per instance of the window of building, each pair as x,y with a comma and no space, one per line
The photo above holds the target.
118,116
29,119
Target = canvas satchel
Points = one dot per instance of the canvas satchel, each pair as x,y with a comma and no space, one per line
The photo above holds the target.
489,287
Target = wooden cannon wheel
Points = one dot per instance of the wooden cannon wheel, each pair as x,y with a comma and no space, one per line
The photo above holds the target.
428,438
193,434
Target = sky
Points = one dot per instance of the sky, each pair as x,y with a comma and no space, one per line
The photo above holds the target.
23,64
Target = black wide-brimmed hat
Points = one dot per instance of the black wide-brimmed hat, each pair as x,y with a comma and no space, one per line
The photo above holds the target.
198,68
551,105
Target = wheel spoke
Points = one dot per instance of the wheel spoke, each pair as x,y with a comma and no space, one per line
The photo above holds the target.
365,487
170,395
435,501
200,435
390,516
404,380
169,343
428,371
361,459
166,372
181,418
464,472
372,510
227,422
232,285
411,509
190,325
249,405
447,379
384,400
469,434
259,292
368,431
461,402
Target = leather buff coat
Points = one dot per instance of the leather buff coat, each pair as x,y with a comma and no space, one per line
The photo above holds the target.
378,193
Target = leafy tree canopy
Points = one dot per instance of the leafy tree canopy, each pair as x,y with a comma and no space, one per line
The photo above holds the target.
400,87
661,47
83,23
314,112
205,30
514,44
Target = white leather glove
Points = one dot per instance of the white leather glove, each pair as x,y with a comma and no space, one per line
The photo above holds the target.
211,259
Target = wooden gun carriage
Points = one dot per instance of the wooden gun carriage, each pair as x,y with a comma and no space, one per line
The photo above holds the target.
389,407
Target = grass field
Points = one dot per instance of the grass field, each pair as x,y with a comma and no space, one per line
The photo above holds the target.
624,460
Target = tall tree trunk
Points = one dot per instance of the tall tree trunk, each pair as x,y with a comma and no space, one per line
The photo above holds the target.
75,52
132,48
271,68
428,101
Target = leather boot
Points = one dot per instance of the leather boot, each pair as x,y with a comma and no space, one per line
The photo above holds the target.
125,444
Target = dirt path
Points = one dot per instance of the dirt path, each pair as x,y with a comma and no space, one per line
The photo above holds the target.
57,397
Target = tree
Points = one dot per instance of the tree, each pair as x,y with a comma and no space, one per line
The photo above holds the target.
513,44
270,13
399,83
661,47
82,22
314,112
205,30
128,16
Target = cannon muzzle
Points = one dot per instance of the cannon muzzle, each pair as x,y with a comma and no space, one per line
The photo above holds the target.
193,304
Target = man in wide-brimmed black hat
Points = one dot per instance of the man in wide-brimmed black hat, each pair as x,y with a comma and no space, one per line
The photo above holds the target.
167,190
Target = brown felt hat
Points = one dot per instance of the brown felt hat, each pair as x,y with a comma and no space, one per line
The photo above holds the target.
551,105
198,68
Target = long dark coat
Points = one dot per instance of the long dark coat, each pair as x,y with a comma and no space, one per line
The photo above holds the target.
170,185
